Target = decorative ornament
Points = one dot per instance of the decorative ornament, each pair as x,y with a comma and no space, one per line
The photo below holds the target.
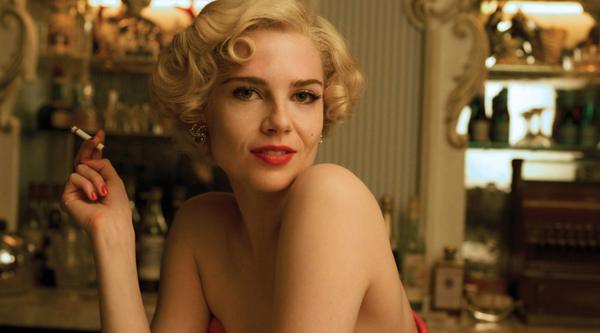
199,132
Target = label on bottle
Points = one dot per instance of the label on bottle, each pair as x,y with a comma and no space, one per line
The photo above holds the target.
589,136
413,276
481,131
448,288
568,134
501,131
60,119
150,249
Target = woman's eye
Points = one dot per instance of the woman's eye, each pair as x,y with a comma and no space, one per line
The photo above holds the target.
244,93
306,97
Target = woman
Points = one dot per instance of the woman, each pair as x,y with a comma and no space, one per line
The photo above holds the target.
253,85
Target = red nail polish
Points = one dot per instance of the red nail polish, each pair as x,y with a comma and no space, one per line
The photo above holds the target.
94,195
104,190
85,159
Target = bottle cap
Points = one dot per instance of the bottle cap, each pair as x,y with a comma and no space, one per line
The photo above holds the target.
449,253
387,203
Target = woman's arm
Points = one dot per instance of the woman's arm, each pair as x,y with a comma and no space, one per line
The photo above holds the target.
332,243
96,199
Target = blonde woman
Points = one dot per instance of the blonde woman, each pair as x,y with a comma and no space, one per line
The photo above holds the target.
253,85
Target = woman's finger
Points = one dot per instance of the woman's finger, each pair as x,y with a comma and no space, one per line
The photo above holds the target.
78,182
99,138
88,148
102,167
94,177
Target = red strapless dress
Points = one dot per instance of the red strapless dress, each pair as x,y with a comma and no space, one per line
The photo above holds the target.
216,327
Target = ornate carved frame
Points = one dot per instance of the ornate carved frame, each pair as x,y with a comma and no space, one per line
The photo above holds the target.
23,63
461,14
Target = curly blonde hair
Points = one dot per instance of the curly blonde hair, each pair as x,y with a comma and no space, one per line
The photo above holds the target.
187,70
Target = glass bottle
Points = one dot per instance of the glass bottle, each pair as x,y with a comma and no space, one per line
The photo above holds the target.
111,124
48,277
479,126
32,227
84,22
85,115
589,127
500,118
151,241
387,209
448,283
135,214
56,114
568,128
178,197
413,256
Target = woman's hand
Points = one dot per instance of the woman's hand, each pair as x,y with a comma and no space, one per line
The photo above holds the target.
95,196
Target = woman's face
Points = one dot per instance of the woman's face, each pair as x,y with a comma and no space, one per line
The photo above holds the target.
266,117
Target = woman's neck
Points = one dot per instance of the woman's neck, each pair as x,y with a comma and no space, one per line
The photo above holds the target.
261,213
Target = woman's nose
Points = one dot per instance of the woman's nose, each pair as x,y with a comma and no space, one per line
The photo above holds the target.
278,118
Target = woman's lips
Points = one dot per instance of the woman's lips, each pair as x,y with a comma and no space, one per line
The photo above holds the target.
274,155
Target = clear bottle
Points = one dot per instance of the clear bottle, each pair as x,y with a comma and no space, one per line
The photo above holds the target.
151,241
85,115
84,23
111,123
413,256
387,209
448,283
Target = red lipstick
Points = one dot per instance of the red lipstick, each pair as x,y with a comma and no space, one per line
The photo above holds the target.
274,155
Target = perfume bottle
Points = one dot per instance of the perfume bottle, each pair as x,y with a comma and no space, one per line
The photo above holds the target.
448,281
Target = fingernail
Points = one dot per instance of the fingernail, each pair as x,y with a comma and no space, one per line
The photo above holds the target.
93,137
94,195
85,159
104,190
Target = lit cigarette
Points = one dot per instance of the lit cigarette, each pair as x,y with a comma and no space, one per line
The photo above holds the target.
85,136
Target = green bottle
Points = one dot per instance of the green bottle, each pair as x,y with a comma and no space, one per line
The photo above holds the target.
413,256
588,132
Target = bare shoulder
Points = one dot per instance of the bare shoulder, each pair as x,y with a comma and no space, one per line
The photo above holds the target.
331,200
331,178
333,249
337,188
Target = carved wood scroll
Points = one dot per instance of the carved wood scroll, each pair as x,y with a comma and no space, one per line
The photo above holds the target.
461,14
19,63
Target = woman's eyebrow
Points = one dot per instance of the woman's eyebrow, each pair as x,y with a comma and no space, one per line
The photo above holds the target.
303,83
249,79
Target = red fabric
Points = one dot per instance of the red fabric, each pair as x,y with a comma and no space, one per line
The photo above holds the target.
216,327
421,327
